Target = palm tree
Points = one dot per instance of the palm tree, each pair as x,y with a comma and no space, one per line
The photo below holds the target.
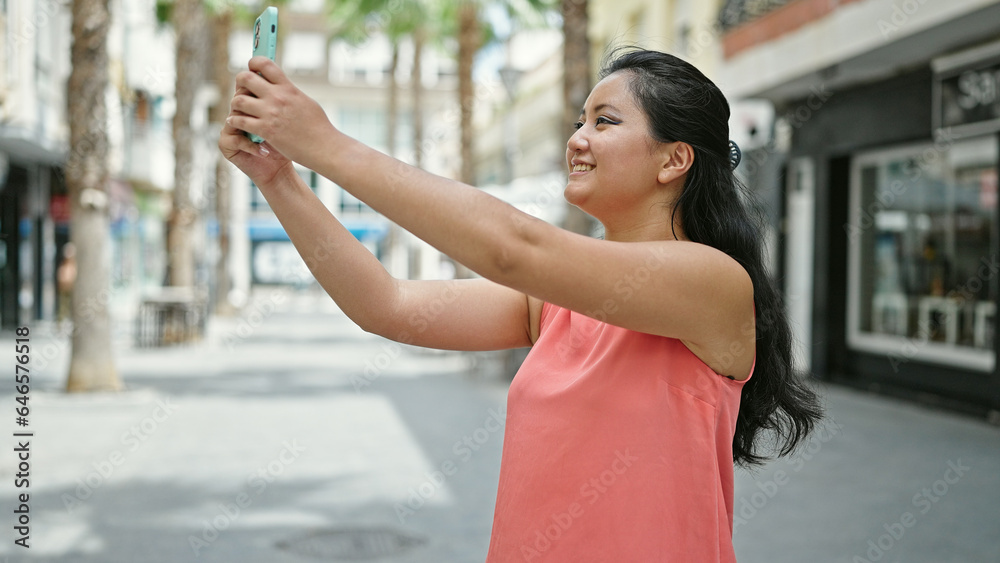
187,19
221,22
419,36
91,365
576,87
353,20
470,40
222,16
419,20
474,33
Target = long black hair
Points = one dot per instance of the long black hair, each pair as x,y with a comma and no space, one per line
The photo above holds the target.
681,104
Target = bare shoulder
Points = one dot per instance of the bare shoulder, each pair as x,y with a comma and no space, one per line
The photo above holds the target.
677,289
726,339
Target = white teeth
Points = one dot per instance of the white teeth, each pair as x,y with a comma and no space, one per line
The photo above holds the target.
582,167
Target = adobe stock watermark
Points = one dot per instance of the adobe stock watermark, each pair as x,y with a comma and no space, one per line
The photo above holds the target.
464,449
959,297
376,22
592,491
749,505
253,317
902,12
923,501
259,310
104,469
419,322
795,118
885,199
551,191
61,336
818,97
257,482
25,31
623,291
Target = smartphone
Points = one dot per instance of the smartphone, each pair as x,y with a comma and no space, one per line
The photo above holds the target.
265,42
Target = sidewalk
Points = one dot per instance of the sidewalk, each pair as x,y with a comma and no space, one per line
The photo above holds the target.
291,435
289,420
882,480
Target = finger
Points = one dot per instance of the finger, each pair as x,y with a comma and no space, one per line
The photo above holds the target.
254,83
232,141
226,127
237,141
243,123
228,130
264,149
247,105
268,69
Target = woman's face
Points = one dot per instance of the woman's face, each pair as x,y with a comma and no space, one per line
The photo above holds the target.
613,162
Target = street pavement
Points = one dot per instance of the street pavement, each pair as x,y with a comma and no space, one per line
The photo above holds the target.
291,435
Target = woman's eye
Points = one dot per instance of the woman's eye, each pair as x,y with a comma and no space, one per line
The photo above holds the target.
603,120
578,125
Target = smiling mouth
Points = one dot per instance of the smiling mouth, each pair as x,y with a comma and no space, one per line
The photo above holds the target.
582,168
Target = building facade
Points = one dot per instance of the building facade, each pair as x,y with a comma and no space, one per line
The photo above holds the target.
883,161
351,83
869,131
34,65
34,144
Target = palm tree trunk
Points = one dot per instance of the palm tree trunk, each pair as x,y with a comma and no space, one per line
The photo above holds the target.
576,87
180,250
392,113
469,39
221,23
417,85
392,239
91,365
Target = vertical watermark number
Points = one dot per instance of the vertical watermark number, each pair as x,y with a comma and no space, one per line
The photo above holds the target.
22,389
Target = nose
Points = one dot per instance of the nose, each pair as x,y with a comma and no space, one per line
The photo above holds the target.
578,141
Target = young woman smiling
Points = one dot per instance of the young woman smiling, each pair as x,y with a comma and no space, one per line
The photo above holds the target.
660,354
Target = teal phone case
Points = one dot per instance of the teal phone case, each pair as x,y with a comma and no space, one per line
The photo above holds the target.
265,42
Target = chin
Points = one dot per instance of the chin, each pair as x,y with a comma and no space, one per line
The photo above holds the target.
580,197
576,195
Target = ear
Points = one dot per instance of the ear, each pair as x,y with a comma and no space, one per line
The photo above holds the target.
677,160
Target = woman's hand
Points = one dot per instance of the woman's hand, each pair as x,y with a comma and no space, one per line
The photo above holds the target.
261,162
269,105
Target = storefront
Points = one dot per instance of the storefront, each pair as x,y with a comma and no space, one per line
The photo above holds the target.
907,262
923,252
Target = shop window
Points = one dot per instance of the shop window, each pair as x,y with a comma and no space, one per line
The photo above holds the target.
923,253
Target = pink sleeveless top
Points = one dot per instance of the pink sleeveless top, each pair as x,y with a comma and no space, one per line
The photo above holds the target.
618,448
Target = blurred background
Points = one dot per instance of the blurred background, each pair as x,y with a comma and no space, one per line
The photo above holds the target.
196,396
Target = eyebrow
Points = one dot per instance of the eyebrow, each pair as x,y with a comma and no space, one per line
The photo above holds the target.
599,107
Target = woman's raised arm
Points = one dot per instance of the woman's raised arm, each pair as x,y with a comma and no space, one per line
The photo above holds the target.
466,314
509,247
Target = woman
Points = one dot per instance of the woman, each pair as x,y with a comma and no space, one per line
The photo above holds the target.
640,393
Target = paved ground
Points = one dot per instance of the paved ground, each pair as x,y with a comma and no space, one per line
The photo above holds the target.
291,435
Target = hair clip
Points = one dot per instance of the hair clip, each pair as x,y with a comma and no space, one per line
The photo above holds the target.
734,154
